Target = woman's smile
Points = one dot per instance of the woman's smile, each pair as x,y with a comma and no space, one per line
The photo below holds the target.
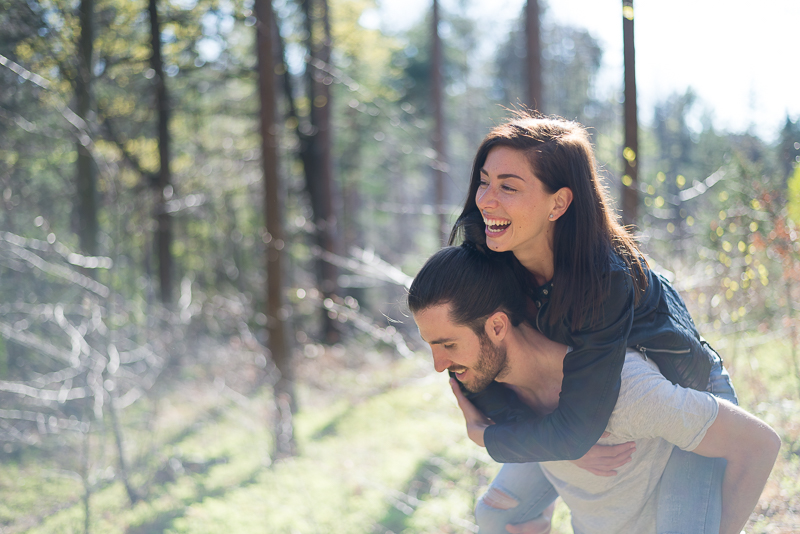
496,227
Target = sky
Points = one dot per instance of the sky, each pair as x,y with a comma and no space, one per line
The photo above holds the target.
741,58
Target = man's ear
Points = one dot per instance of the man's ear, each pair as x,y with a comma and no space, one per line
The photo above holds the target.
562,200
497,326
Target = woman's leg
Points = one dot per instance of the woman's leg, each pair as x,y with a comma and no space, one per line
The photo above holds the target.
690,490
690,494
519,493
719,381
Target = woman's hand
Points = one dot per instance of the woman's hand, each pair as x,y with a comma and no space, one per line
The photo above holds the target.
476,421
602,460
539,525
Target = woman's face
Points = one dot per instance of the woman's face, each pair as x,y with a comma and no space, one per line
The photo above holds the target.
515,205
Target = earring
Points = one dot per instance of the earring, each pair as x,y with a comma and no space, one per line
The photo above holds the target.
551,216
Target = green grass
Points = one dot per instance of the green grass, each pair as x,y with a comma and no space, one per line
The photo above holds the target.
382,448
34,487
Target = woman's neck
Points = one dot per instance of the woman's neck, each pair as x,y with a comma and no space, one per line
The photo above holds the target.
540,262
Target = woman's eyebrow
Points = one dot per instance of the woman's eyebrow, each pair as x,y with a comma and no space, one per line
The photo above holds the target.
503,176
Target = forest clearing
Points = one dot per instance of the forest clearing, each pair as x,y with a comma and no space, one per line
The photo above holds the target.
210,215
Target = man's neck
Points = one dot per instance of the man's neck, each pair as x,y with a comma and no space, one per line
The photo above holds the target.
535,368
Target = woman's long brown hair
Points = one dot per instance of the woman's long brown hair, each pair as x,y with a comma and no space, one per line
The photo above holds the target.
586,235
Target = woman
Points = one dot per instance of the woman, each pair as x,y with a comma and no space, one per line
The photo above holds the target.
534,191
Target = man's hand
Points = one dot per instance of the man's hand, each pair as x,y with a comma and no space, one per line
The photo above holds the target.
539,525
602,460
476,421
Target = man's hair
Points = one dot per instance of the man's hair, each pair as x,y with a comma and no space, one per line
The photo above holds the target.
474,283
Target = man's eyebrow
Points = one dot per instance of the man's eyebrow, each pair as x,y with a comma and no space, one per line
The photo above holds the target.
502,176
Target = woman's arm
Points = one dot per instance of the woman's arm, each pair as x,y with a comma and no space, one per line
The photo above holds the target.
601,460
589,389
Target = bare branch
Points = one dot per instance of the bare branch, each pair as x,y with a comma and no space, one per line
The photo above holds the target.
24,73
47,395
34,342
366,263
56,270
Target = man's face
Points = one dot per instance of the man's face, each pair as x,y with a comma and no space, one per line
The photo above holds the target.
474,359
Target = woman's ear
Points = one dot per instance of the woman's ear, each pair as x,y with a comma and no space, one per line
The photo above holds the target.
561,201
497,326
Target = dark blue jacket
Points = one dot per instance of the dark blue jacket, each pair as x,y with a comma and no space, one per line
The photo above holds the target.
658,325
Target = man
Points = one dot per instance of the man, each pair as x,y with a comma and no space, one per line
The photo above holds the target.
469,309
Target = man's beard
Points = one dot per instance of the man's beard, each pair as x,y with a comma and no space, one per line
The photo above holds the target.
491,363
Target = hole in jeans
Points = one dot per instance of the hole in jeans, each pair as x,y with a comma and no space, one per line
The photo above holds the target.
495,498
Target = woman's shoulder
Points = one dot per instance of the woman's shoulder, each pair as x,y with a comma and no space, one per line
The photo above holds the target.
617,261
617,270
621,270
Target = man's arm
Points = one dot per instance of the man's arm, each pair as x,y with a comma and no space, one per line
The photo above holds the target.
601,460
750,446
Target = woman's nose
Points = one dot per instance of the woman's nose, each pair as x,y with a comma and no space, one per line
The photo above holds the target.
484,198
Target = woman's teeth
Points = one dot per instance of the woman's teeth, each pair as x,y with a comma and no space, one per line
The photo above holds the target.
496,225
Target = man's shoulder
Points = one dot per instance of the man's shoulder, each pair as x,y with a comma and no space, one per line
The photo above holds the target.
642,379
637,364
651,406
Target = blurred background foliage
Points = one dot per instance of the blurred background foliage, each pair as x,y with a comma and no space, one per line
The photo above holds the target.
108,380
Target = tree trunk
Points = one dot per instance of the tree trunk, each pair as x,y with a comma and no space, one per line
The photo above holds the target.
87,488
534,55
317,160
440,164
163,185
352,230
352,233
630,154
124,473
86,206
276,318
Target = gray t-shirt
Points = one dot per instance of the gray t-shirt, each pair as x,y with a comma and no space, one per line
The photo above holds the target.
657,415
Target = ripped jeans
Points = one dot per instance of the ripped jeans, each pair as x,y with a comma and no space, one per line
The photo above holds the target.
689,492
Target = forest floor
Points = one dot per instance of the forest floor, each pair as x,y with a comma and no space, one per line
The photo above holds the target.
381,449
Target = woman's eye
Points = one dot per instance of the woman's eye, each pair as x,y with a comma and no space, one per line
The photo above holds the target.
449,345
508,188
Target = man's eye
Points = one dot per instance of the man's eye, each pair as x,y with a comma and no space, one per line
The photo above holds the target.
449,345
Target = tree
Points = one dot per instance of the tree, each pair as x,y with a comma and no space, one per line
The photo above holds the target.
86,203
676,161
316,154
630,180
789,147
55,388
570,60
465,108
276,315
163,182
534,55
438,124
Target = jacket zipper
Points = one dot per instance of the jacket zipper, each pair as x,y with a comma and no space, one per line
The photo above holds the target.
538,313
644,350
